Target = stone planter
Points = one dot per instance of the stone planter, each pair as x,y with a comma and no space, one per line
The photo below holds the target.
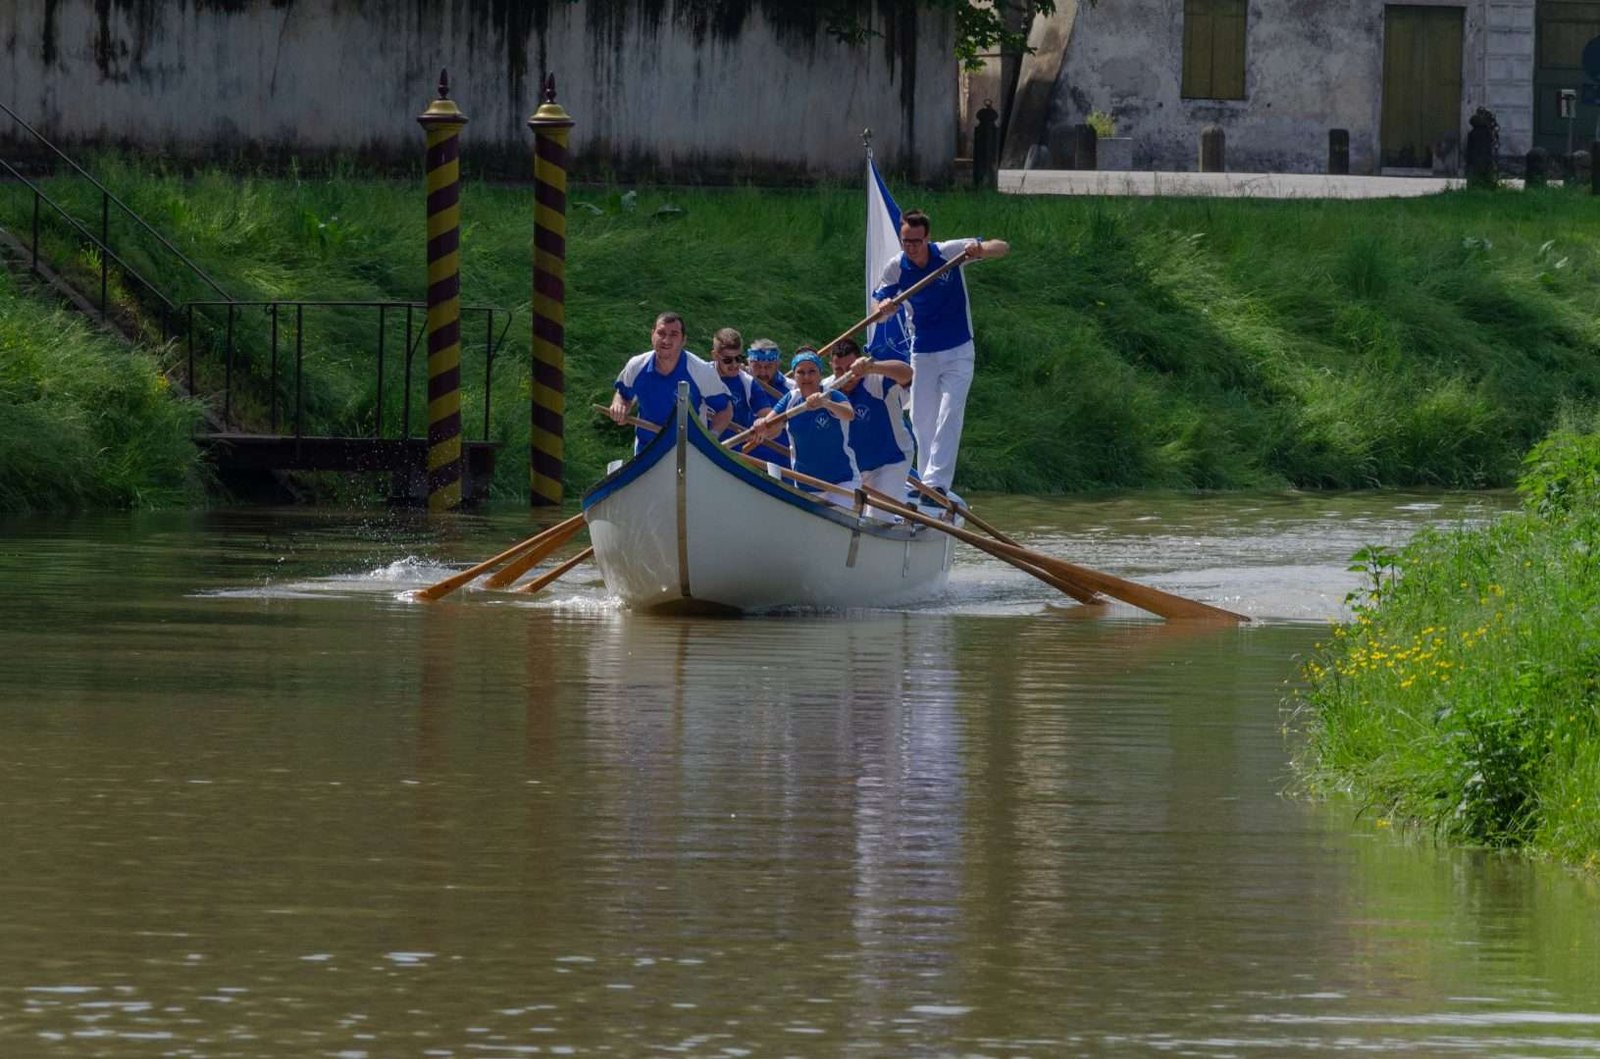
1115,153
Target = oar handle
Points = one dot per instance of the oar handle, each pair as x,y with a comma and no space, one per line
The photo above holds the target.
898,299
645,424
794,410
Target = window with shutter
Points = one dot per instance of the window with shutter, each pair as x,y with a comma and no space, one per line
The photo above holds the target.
1213,49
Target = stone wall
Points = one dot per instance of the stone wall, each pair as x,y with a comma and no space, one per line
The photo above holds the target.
1311,66
677,90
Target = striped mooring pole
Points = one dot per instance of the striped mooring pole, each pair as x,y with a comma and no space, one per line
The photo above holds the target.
442,123
550,125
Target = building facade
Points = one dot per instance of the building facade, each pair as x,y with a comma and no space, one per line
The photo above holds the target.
761,91
1277,75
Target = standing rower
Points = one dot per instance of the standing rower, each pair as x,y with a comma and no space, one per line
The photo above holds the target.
942,353
651,379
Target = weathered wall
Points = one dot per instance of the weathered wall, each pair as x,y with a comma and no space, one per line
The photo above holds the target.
679,89
1311,66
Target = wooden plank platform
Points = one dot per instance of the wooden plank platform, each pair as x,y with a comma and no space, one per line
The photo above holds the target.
245,457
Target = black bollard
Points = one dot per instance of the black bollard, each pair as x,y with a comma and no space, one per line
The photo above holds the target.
1213,150
986,147
1085,152
1483,144
1536,168
1339,151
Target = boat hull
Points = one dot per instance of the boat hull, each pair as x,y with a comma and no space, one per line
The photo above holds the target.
685,525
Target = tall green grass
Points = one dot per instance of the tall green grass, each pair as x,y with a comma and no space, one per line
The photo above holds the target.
84,421
1464,697
1168,343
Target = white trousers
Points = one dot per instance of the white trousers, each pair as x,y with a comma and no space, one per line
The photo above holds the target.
890,480
938,409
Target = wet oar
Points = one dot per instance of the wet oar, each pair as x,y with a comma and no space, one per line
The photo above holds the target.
559,532
515,569
863,322
550,577
1163,604
1081,593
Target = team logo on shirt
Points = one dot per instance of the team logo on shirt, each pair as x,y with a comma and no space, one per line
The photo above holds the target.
863,413
822,419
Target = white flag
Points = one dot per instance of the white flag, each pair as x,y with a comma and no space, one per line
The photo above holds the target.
888,339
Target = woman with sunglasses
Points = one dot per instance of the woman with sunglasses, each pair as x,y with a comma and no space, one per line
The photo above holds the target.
820,436
749,399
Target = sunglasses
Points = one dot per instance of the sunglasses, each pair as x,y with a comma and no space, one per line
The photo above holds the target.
733,359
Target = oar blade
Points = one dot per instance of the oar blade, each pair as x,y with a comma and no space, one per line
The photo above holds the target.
550,577
554,538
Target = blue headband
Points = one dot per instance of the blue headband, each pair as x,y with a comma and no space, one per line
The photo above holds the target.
802,358
762,354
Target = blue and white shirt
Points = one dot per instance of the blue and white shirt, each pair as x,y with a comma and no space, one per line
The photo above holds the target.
749,401
941,318
821,440
657,394
879,435
781,383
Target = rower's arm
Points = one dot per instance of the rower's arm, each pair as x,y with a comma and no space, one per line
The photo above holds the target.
720,420
988,249
893,370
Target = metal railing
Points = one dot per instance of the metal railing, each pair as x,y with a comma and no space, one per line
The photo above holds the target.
198,318
277,375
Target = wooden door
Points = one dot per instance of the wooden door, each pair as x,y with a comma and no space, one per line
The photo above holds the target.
1421,83
1563,28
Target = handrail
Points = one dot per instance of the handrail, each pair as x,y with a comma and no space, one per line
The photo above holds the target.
276,308
139,220
180,318
91,237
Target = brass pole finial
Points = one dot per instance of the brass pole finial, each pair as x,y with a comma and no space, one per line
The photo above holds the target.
549,88
444,84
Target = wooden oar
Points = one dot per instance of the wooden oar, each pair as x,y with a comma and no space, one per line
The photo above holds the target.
549,577
563,530
1082,593
517,567
1162,604
645,424
863,322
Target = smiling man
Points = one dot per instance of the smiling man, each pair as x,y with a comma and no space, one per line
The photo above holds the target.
651,379
942,352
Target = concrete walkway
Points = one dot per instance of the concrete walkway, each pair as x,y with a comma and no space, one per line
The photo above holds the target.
1223,185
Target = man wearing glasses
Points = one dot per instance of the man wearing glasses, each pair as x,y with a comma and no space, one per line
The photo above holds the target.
942,353
749,399
652,378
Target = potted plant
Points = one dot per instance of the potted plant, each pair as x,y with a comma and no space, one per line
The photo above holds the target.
1112,152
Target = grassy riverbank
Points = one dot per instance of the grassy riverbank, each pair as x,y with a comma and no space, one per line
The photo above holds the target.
1464,697
1125,343
84,421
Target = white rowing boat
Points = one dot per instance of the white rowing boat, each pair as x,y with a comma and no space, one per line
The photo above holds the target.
686,525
